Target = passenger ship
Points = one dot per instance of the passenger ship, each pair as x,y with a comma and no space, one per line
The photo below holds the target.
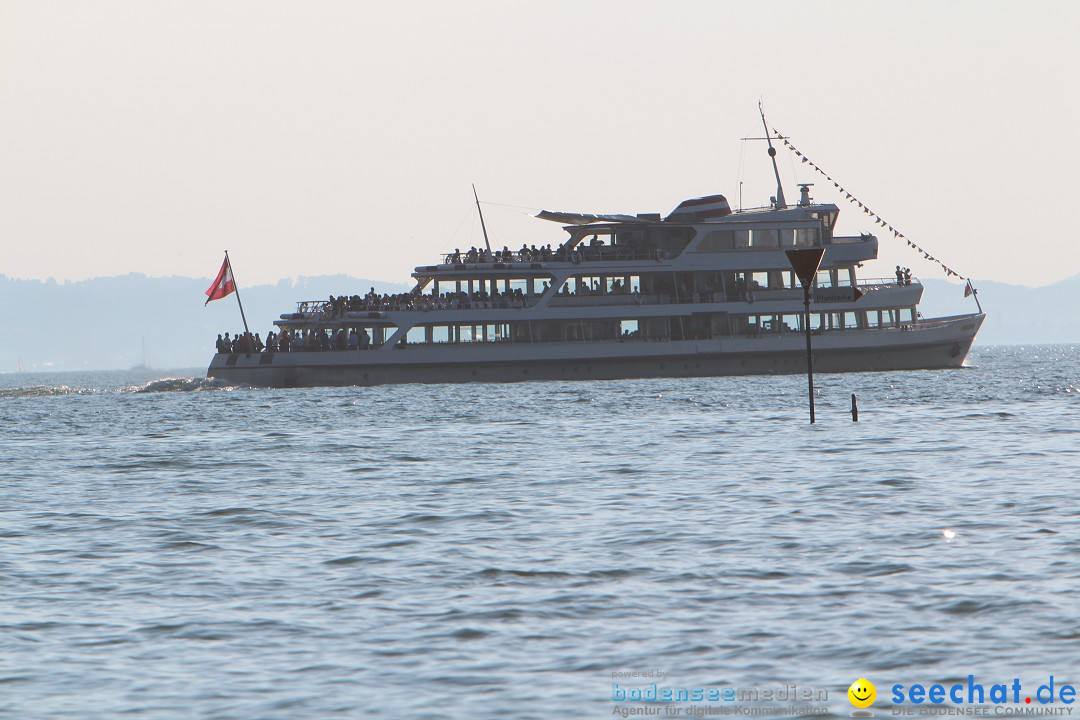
702,291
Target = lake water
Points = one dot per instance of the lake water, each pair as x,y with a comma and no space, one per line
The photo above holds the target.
179,549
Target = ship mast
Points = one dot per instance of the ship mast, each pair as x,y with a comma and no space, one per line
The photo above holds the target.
780,203
481,213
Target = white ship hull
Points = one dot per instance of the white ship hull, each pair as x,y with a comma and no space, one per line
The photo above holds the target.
700,292
941,343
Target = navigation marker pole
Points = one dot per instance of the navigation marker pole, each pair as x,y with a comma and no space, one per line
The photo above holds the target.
481,212
805,262
236,289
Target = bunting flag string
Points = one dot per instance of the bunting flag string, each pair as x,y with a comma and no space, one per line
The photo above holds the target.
878,220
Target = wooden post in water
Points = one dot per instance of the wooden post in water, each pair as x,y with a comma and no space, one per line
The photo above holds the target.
854,409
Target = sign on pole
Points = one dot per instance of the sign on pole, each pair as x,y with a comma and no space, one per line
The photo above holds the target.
805,262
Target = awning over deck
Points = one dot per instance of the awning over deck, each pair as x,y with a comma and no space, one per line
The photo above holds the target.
565,218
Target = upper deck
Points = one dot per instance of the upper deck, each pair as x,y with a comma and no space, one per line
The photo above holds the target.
612,244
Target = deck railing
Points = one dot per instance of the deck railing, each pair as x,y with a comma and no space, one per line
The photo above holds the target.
877,283
578,254
323,310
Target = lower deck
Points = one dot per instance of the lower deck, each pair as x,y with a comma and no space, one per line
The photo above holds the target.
941,344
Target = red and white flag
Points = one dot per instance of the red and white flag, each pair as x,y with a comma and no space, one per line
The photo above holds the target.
223,283
968,290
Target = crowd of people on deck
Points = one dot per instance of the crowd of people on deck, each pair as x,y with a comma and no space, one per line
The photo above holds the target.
525,254
294,341
617,287
903,276
336,307
596,249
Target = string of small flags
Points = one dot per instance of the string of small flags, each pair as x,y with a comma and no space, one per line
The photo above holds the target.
949,272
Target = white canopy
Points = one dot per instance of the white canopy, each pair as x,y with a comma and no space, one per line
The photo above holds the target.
565,218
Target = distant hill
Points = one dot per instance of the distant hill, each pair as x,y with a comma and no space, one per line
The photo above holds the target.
101,323
1015,315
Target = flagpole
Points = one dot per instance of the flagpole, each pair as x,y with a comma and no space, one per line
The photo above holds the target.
236,285
975,294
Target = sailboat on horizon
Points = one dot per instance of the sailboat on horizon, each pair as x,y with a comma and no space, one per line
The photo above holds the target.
145,364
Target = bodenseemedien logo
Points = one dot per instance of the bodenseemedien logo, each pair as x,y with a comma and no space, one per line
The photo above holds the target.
862,694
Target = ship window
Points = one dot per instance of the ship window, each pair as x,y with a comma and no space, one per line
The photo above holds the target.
907,315
617,285
588,285
763,238
497,332
674,239
742,239
655,328
787,237
851,320
759,324
824,279
601,285
717,241
805,237
790,323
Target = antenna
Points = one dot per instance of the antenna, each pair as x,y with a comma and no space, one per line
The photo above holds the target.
780,203
482,226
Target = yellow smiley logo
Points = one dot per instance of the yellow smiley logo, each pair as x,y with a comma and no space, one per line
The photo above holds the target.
862,693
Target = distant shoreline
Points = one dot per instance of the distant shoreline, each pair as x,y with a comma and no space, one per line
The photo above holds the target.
59,327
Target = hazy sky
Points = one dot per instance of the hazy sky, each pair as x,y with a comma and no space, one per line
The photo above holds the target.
341,137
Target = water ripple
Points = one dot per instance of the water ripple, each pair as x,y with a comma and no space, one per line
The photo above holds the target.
177,548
